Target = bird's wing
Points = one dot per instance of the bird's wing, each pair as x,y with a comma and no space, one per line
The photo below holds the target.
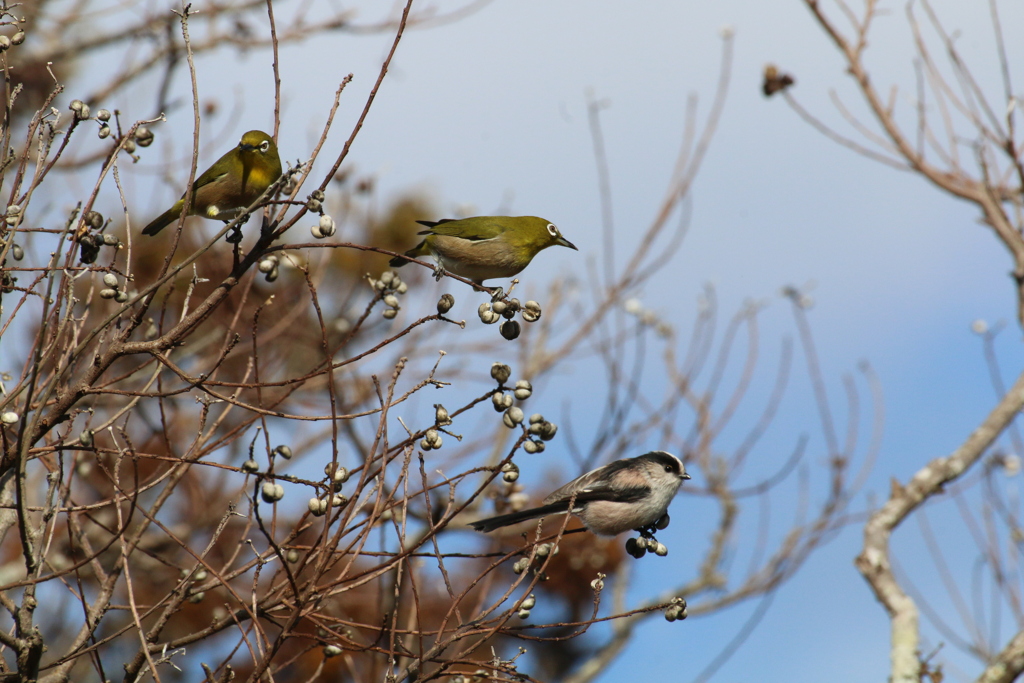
476,229
593,486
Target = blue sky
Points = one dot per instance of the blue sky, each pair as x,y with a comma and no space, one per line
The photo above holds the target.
490,111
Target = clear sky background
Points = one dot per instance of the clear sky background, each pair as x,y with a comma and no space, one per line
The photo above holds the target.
490,112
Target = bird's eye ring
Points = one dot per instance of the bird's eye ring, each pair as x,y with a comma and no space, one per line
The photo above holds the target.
552,230
265,146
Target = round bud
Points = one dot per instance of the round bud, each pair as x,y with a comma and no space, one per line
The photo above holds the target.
543,550
499,307
284,451
500,372
85,438
94,219
390,313
339,500
511,476
513,416
523,390
196,598
266,265
18,38
391,300
660,549
530,447
108,293
76,106
121,297
445,303
331,651
317,195
431,437
530,602
17,252
387,277
103,115
292,555
316,508
110,240
274,272
327,227
662,522
337,473
271,492
498,401
250,466
536,418
104,132
401,288
520,566
129,146
483,311
441,415
425,445
110,280
641,543
200,575
9,417
315,232
510,329
524,614
314,205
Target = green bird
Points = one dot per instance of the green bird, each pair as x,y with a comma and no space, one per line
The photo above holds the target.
231,185
484,247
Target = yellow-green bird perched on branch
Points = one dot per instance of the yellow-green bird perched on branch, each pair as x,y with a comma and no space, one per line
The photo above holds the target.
231,185
484,247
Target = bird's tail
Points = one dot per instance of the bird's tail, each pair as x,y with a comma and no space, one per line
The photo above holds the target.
492,523
163,220
419,250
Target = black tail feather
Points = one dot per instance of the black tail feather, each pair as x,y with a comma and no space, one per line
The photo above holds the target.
492,523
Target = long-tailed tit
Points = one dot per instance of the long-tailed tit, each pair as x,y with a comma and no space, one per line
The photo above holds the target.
632,493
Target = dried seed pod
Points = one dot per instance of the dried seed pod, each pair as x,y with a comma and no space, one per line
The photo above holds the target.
266,265
327,227
108,293
314,205
500,372
94,219
196,598
524,614
521,564
317,195
17,252
331,650
530,602
391,300
317,507
498,401
445,303
660,549
143,136
389,313
104,132
250,466
512,417
499,307
510,329
9,417
271,492
18,38
530,446
523,389
110,240
292,555
103,115
662,522
121,297
284,451
85,438
441,417
548,430
110,280
531,311
129,146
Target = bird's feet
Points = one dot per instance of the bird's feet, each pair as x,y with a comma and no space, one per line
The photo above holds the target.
439,272
638,547
234,236
497,293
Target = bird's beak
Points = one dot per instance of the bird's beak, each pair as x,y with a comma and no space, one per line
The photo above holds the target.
246,148
565,243
685,476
